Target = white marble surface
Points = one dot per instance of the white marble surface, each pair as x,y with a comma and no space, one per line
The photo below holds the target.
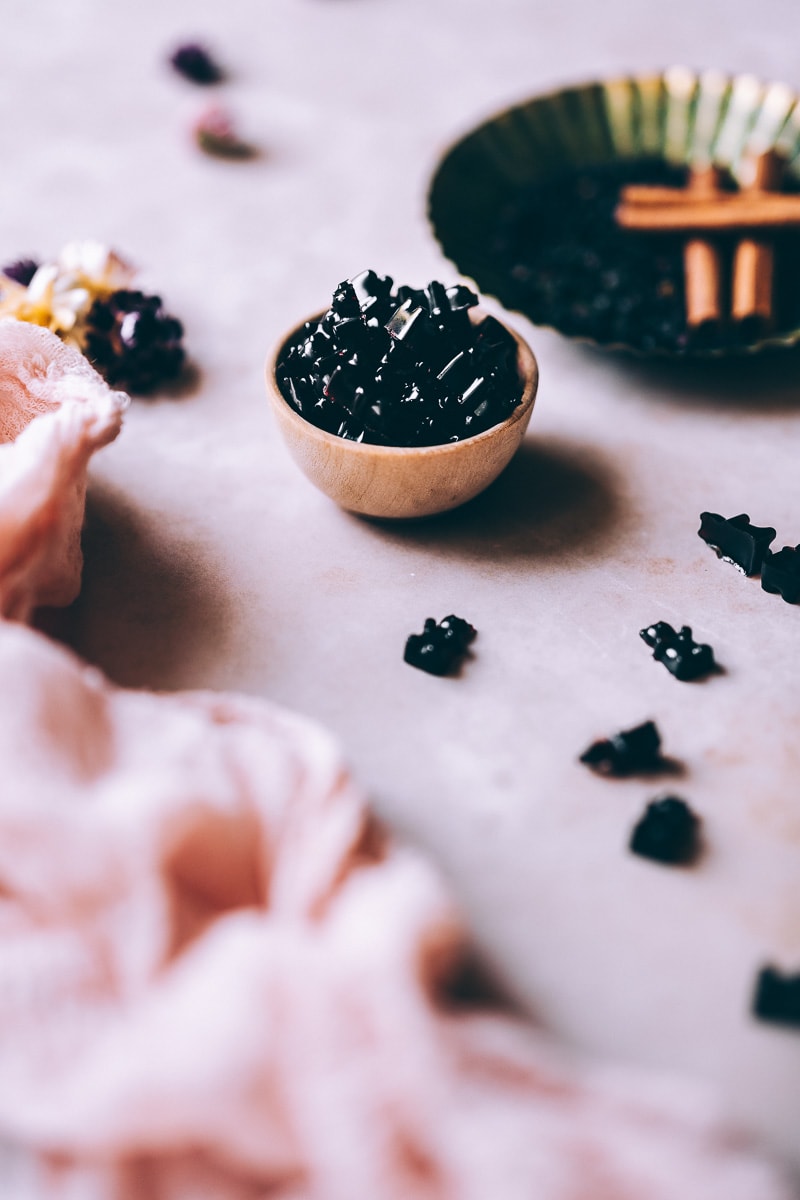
212,563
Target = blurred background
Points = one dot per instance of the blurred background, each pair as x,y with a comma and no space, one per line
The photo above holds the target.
212,563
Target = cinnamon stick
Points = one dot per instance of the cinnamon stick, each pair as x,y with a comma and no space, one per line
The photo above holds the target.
654,194
753,262
702,262
740,211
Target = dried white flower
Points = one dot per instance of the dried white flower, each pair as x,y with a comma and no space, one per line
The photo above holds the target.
61,292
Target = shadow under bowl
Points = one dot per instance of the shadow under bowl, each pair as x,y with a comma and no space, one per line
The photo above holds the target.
402,482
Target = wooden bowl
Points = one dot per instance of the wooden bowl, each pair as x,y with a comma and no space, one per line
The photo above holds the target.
402,481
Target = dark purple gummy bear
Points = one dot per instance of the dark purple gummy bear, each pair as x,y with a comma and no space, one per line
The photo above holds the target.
777,997
780,573
626,753
677,650
667,832
736,540
439,648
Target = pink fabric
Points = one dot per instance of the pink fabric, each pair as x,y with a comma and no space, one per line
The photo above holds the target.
218,979
55,411
219,982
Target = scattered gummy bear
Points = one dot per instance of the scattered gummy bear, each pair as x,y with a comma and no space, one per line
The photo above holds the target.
681,655
736,540
439,648
777,997
666,832
627,752
780,573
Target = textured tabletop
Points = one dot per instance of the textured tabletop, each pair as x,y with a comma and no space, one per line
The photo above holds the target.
212,563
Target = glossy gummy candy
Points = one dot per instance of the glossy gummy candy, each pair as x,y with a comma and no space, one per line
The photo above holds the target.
666,832
401,366
780,573
736,540
625,753
777,997
681,655
439,648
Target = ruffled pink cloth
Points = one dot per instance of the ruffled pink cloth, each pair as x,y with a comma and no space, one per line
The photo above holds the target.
218,979
219,982
55,411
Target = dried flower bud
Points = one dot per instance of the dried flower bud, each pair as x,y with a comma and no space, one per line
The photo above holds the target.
215,133
22,271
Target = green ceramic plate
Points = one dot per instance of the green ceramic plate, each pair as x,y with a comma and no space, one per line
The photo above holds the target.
681,116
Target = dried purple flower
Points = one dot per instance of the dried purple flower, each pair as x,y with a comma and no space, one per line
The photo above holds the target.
133,342
195,63
22,271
